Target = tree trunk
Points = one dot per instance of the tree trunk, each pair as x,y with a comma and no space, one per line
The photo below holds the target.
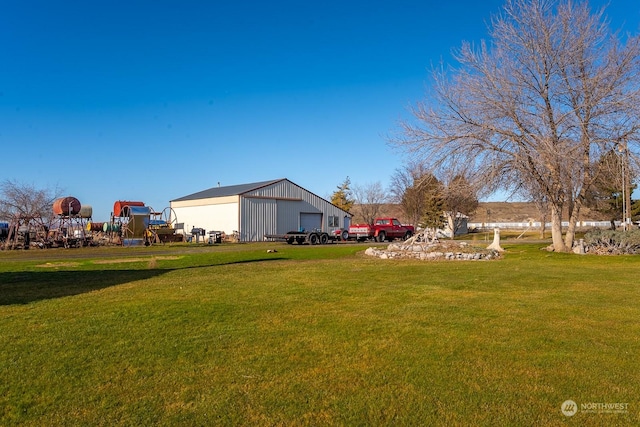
556,229
543,225
452,224
573,221
496,241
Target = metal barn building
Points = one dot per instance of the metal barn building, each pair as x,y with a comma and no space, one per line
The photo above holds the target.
259,208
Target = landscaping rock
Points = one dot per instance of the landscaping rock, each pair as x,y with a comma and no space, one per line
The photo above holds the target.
433,251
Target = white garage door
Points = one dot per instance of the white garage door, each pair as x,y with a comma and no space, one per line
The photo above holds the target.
310,221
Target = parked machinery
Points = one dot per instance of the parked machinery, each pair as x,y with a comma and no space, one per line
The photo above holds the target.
65,228
313,237
134,224
197,234
163,227
4,231
119,231
135,228
22,231
215,237
68,228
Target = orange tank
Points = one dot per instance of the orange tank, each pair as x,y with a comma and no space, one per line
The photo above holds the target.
66,206
120,204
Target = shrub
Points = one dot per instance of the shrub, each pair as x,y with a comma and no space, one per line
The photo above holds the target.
613,242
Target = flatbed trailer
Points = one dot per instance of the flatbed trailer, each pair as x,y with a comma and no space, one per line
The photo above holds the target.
302,237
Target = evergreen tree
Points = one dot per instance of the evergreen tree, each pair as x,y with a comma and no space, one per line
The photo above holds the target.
432,200
422,201
343,197
420,195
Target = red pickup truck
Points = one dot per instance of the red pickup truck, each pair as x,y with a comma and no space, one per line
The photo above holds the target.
380,230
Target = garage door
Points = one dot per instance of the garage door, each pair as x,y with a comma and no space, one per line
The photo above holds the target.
310,221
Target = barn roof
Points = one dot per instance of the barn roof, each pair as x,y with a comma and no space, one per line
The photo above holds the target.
230,190
236,190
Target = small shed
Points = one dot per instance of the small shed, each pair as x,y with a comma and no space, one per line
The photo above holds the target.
255,209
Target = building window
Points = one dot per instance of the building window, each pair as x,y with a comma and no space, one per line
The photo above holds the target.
334,221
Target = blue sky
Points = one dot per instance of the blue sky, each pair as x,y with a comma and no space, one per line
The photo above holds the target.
154,100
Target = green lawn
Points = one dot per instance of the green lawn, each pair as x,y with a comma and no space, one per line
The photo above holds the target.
233,335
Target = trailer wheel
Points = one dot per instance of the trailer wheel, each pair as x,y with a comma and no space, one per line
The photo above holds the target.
313,239
290,240
381,236
345,235
299,240
324,238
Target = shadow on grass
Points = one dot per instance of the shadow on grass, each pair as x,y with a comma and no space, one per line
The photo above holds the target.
29,286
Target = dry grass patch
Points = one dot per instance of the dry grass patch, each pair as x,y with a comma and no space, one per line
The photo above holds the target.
127,260
58,264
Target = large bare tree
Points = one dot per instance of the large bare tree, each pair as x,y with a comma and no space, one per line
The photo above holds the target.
369,199
537,105
459,199
405,190
25,201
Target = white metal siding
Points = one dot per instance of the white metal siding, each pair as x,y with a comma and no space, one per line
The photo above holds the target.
223,217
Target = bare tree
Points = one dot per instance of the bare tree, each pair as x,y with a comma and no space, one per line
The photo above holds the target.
404,190
528,190
459,199
19,200
369,199
553,90
610,194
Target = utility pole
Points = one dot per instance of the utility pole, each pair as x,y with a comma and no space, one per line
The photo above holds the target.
626,188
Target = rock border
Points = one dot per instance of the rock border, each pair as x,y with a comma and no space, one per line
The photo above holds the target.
433,251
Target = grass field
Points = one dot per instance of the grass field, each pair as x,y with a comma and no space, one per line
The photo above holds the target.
233,335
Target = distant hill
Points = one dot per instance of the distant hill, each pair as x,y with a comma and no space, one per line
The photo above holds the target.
521,212
495,212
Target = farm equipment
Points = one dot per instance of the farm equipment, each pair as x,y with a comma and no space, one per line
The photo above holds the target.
315,237
162,227
135,224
